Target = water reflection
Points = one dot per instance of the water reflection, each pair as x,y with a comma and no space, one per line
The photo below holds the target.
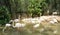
30,31
13,32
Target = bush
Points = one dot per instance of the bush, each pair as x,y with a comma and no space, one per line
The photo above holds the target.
4,15
36,7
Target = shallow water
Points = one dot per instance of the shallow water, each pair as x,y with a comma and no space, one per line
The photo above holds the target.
13,31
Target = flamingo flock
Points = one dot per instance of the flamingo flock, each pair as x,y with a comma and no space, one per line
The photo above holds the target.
36,21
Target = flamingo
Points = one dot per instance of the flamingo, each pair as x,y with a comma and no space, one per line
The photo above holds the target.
16,20
7,25
19,25
37,25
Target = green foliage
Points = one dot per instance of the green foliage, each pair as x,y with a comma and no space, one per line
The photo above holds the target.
35,6
4,15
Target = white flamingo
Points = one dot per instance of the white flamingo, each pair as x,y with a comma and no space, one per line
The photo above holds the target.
16,20
37,25
7,25
19,25
53,21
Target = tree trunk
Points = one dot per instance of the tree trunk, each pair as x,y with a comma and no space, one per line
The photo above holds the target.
13,9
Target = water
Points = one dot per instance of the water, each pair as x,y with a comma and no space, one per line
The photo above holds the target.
13,32
28,31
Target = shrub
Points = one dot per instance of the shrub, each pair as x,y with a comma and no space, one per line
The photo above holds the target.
4,15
